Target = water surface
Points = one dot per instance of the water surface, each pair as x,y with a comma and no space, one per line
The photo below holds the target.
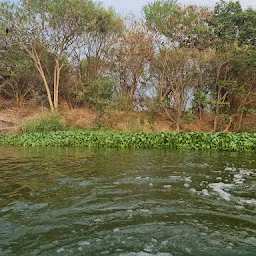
129,203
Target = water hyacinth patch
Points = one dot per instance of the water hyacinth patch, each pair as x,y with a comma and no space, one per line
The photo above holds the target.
240,142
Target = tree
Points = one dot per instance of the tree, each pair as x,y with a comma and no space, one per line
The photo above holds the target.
176,70
92,58
131,55
51,25
183,34
19,79
185,26
233,24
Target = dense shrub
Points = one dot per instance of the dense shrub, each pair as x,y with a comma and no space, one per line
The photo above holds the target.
45,124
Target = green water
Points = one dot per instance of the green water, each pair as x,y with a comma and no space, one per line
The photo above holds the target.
127,203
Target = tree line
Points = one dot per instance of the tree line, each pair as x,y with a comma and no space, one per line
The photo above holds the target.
177,59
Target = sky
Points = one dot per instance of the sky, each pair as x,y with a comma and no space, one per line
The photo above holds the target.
124,7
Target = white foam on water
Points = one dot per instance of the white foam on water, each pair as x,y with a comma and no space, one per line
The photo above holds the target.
205,192
146,254
175,177
232,169
116,230
238,179
245,172
249,201
239,207
188,179
148,248
82,243
188,250
192,190
164,243
219,188
60,250
144,210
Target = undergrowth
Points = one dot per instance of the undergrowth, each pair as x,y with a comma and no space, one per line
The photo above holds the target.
49,123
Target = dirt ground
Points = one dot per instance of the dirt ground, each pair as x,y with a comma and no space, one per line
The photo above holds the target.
12,118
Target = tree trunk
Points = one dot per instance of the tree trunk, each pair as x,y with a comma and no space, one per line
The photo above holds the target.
34,56
229,124
56,84
178,123
46,87
240,121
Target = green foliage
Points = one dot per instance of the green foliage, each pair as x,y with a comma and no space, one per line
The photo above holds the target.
45,124
97,93
231,23
242,142
185,25
157,15
19,79
54,26
190,117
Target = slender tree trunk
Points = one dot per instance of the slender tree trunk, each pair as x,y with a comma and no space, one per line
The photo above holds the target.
56,85
46,87
240,121
162,75
178,123
217,111
134,86
34,56
229,124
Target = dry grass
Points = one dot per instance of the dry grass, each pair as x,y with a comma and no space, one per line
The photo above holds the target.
203,125
12,118
249,123
80,117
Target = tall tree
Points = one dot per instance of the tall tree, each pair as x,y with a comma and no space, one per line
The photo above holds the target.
131,55
52,25
185,26
233,24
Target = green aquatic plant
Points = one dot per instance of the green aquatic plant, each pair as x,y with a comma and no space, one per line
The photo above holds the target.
240,142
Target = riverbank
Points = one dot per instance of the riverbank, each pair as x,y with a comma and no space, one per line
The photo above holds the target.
237,142
13,119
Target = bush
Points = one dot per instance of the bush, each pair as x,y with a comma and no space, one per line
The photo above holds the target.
49,123
190,117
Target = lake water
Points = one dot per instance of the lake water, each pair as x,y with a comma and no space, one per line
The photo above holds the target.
126,202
